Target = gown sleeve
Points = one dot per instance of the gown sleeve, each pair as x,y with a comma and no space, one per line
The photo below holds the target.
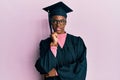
46,61
77,69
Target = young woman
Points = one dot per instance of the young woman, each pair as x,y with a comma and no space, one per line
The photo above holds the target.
62,55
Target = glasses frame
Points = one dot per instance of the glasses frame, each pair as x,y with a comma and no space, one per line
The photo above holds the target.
63,21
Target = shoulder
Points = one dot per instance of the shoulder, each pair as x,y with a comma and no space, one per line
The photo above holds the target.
45,41
75,38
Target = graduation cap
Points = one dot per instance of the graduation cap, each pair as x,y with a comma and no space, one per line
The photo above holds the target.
57,9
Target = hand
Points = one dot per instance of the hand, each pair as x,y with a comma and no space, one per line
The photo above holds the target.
51,73
54,38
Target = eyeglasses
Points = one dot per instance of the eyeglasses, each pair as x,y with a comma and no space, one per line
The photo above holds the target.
58,21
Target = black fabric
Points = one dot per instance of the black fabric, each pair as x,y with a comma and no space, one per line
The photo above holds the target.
58,9
70,62
53,78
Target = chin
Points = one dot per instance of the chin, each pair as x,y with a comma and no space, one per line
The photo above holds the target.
60,32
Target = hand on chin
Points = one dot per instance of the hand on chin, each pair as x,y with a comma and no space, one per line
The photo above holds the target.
58,32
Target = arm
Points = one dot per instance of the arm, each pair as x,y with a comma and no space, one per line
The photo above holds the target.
47,61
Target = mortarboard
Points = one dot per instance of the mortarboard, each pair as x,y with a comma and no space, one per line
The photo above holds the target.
57,9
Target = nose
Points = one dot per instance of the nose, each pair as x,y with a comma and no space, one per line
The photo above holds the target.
58,24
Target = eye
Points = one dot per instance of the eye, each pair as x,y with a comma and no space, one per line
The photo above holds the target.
63,21
54,21
58,21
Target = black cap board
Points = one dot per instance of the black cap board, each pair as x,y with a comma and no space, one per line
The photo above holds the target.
57,9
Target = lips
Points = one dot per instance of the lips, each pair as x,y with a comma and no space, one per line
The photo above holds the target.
58,29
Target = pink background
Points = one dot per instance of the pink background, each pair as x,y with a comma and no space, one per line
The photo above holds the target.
23,24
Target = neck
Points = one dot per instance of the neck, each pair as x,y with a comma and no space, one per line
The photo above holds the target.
62,33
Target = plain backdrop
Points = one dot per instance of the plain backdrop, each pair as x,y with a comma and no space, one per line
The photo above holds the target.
23,24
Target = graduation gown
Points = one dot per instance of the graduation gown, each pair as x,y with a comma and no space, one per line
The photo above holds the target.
70,61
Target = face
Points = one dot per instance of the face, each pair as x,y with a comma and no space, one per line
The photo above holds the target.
58,24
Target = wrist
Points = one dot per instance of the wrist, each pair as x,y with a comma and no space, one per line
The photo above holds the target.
53,44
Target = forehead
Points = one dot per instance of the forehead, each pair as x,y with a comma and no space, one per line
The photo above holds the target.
58,17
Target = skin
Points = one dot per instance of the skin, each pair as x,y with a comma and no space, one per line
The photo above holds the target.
58,29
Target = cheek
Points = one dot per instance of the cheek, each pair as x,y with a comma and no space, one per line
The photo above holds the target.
53,26
64,26
61,26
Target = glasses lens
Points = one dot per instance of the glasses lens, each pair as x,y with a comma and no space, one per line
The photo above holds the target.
59,21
